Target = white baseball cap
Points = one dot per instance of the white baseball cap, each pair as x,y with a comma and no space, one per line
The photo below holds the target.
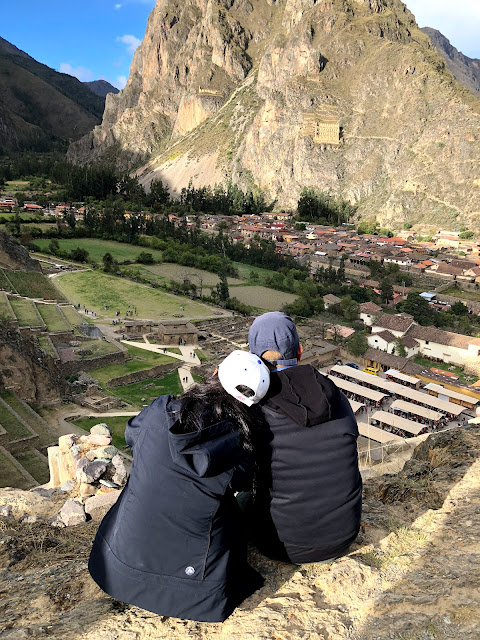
242,368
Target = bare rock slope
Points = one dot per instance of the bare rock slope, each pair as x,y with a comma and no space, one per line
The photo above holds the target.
346,95
413,573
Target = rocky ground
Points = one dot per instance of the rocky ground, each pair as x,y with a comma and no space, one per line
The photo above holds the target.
412,575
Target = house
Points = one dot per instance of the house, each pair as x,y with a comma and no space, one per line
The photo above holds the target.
445,346
178,332
384,340
383,361
337,331
397,324
330,300
368,311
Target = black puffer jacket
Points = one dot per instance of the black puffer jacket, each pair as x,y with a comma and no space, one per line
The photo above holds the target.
309,503
172,544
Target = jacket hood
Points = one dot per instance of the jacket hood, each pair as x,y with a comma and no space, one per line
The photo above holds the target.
303,394
208,452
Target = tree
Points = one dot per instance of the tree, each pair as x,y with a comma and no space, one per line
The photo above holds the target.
222,292
459,309
145,258
108,262
400,349
79,255
350,309
417,307
357,345
54,247
386,289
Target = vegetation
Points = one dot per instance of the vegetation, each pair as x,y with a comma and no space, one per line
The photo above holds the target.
141,359
44,343
34,285
358,345
53,318
321,208
141,393
10,476
14,428
36,466
26,312
4,308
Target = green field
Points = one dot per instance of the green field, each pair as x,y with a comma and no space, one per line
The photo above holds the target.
10,476
25,312
4,308
15,185
34,285
245,269
98,248
14,428
5,283
462,295
72,316
34,464
117,426
141,359
178,273
262,297
53,317
98,348
96,290
44,343
137,395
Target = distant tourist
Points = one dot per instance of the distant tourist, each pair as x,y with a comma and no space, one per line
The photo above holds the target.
173,543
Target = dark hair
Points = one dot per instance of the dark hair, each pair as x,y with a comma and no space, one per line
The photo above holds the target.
208,403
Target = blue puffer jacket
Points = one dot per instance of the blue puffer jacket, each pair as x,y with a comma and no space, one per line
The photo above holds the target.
173,544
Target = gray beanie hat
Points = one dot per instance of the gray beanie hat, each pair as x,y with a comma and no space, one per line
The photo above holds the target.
274,331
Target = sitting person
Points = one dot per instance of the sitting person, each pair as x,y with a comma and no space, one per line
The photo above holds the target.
309,499
173,543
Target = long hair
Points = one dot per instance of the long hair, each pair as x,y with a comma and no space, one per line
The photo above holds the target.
209,403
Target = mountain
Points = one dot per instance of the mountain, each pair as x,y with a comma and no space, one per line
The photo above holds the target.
345,95
40,107
101,87
466,70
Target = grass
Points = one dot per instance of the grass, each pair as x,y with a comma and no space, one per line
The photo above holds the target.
97,347
245,269
262,297
10,476
98,248
97,290
46,434
53,318
15,185
34,285
34,464
72,316
44,343
461,294
25,312
5,283
137,395
117,426
4,308
141,360
445,366
178,272
14,428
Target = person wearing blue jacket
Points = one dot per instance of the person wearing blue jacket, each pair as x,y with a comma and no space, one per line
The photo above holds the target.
173,542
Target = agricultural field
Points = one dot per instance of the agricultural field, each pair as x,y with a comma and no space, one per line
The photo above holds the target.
34,464
141,360
4,308
15,185
34,285
10,476
5,283
245,269
117,426
97,347
44,343
141,393
262,297
461,294
47,435
97,290
14,428
98,248
53,318
72,316
26,312
177,272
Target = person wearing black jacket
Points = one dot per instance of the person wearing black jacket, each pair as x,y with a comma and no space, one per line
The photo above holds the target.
309,499
173,542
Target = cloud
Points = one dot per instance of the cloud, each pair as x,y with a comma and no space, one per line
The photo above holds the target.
131,41
84,75
121,82
118,6
459,22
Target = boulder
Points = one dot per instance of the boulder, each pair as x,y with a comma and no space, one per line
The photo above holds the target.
98,505
66,486
72,513
98,439
90,471
87,490
120,476
107,452
66,442
101,429
26,502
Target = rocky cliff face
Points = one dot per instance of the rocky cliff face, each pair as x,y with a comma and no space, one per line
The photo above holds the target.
14,256
346,95
466,70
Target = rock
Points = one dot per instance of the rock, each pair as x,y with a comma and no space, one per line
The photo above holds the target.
72,513
76,450
107,452
31,519
56,521
101,429
6,511
65,442
98,505
26,502
91,471
44,491
98,439
120,475
87,490
66,486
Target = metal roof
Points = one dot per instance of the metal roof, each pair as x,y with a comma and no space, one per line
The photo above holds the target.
379,435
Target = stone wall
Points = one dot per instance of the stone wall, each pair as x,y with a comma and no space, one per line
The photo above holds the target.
93,363
138,376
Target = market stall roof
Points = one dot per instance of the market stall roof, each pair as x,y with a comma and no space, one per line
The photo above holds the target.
365,392
416,409
355,405
437,388
398,422
398,375
379,435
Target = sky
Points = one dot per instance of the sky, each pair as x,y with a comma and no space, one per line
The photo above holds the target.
95,39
